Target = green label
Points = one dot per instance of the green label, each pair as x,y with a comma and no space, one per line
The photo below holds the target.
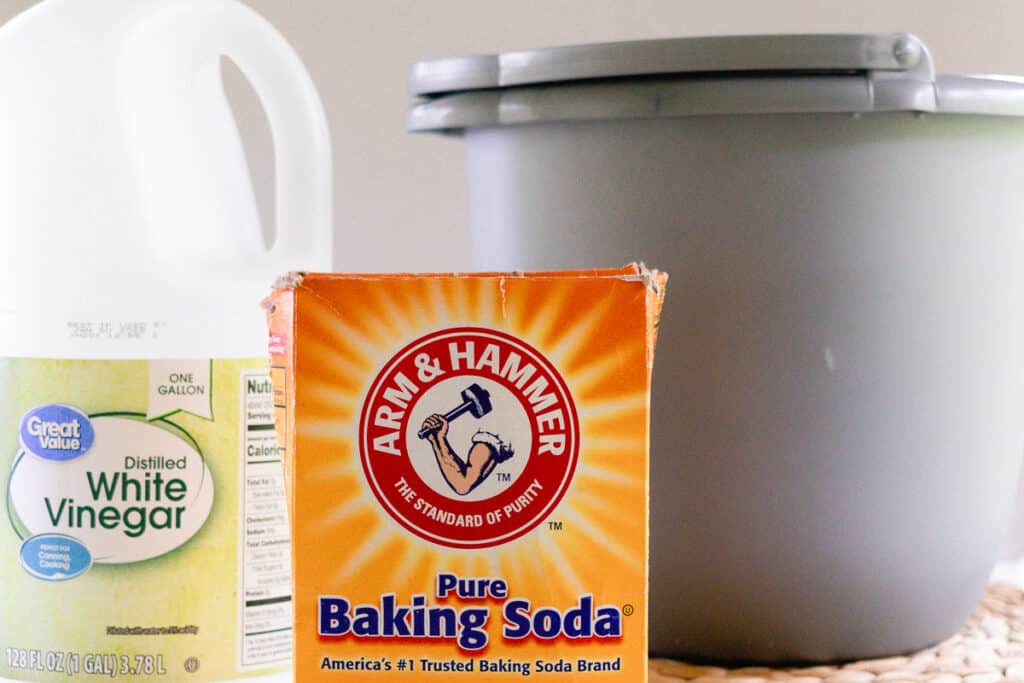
144,534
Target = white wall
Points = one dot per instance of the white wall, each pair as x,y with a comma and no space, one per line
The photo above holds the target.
400,198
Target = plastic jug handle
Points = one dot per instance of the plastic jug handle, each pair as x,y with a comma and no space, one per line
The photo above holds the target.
181,42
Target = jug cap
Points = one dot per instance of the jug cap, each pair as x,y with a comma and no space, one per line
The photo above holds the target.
746,74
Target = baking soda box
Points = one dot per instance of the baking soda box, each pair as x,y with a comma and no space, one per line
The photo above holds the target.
466,461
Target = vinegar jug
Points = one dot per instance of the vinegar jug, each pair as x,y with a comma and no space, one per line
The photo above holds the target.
145,535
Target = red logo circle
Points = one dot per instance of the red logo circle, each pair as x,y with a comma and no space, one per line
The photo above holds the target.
469,437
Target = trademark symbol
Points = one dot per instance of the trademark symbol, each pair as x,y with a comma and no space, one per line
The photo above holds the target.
504,476
192,665
554,526
628,610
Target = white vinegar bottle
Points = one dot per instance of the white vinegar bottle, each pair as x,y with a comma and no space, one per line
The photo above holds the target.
144,535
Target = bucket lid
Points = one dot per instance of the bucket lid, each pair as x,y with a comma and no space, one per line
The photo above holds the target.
704,75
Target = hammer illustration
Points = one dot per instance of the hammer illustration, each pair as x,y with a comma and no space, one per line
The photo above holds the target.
475,400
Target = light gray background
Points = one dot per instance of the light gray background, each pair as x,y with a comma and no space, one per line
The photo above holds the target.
400,199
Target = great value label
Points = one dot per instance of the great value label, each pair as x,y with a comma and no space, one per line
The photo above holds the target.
145,521
129,491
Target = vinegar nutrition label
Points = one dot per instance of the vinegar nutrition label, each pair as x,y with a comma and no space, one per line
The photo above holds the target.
265,567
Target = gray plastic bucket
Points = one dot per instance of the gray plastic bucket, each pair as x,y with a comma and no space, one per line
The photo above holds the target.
839,382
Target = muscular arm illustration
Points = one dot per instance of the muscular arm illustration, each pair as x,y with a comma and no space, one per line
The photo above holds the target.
462,475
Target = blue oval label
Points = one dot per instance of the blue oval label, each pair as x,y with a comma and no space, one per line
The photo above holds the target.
56,432
55,557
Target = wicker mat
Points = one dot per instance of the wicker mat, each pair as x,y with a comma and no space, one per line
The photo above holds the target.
989,648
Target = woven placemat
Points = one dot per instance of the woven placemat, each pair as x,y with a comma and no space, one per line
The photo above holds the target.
989,648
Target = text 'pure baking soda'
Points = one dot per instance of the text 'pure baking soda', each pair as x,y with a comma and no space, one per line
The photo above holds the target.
143,534
466,466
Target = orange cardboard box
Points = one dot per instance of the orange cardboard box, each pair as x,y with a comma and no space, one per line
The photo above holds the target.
467,475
